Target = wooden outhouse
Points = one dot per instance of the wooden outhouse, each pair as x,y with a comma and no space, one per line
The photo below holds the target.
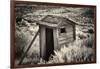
54,32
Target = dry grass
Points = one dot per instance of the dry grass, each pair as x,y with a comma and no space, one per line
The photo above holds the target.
75,52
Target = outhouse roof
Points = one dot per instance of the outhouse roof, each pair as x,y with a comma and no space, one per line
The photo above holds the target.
54,21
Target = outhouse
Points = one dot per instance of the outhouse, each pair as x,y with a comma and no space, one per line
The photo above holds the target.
54,32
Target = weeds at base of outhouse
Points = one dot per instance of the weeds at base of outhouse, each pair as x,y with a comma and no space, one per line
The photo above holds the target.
73,53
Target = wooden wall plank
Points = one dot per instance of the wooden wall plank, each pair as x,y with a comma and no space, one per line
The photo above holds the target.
55,38
65,42
42,42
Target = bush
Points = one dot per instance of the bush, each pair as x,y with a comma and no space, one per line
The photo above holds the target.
89,13
90,31
82,35
20,43
89,41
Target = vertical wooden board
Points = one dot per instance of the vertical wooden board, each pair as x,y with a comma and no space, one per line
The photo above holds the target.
55,39
42,42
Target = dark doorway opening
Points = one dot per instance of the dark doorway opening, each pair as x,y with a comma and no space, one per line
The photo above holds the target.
49,43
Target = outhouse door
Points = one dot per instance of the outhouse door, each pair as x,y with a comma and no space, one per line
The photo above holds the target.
49,43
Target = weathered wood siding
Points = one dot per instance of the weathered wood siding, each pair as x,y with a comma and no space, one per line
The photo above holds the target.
42,42
67,37
55,37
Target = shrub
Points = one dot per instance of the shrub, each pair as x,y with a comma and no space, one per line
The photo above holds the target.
35,58
82,35
89,41
20,43
90,31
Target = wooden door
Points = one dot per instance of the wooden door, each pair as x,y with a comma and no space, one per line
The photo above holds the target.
49,43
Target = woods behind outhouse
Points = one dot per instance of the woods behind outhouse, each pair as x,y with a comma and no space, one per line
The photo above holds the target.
54,32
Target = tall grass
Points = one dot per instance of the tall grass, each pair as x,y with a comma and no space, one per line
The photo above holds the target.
75,52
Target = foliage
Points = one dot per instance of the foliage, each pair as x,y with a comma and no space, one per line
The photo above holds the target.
81,36
20,44
76,52
89,13
91,31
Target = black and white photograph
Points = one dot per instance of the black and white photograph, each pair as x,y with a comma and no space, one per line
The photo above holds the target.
54,34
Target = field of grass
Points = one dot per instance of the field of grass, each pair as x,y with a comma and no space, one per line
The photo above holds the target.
80,50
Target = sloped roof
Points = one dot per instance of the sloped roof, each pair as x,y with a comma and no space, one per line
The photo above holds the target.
54,21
